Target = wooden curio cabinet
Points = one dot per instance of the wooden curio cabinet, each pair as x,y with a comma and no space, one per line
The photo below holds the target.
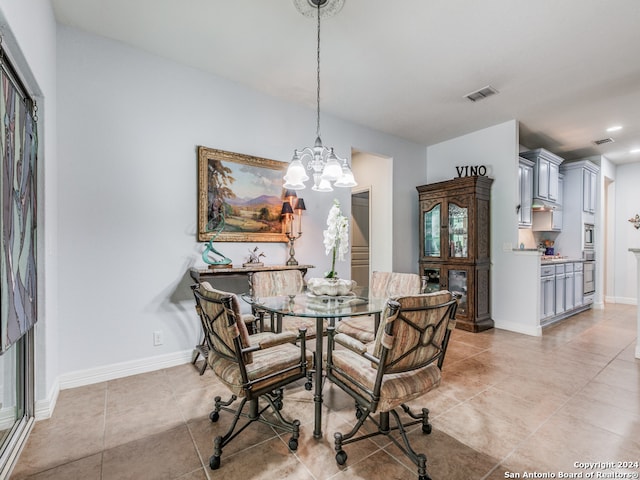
455,247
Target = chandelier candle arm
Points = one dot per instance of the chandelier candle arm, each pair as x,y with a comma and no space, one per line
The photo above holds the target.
326,166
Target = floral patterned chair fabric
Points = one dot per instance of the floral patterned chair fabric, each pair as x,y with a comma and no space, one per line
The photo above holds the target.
406,363
252,367
383,285
281,282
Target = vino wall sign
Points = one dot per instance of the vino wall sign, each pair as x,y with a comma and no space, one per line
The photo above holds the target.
471,171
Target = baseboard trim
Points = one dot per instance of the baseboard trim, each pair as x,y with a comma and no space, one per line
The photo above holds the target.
118,370
44,408
535,331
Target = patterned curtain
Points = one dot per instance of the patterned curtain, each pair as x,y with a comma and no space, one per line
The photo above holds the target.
18,148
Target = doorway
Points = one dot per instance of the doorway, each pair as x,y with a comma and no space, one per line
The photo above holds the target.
360,234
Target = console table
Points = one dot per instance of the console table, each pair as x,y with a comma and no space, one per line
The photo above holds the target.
208,274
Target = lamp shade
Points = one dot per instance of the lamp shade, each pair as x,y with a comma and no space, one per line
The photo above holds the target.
300,204
286,209
332,170
288,193
347,179
295,176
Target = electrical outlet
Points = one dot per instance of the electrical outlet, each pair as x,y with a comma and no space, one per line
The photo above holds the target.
157,338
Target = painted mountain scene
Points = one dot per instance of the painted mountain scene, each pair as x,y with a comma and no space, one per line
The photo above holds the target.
243,198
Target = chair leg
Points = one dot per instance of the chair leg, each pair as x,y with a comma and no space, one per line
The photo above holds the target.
339,439
419,459
253,414
384,428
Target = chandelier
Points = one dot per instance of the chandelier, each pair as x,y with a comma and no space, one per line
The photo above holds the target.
328,169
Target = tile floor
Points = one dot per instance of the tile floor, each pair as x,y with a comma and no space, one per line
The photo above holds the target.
508,404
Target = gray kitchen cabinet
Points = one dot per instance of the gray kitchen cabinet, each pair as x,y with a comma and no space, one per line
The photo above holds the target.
560,292
545,173
589,190
578,287
569,291
525,186
547,292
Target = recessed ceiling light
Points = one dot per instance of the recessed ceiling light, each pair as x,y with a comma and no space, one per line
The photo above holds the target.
635,150
615,128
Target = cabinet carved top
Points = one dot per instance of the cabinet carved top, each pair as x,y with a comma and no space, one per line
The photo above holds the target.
476,183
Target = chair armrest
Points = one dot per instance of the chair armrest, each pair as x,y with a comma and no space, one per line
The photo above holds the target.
278,339
351,343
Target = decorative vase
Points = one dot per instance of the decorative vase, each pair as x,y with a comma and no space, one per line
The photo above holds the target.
330,286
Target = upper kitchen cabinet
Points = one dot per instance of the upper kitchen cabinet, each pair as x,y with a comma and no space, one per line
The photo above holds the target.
545,174
525,187
584,176
549,219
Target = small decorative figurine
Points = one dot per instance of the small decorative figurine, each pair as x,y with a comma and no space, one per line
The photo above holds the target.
254,258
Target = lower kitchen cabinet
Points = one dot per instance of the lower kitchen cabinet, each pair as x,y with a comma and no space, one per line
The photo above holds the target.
569,291
560,306
561,291
578,286
547,292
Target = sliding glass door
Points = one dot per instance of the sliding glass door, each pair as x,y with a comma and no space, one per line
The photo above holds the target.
16,399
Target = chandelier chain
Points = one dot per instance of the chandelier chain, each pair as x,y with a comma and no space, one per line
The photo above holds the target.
318,79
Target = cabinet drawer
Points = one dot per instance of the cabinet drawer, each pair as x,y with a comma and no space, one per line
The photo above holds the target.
568,267
548,270
559,269
577,267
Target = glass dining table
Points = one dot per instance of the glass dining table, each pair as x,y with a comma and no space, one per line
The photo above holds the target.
324,309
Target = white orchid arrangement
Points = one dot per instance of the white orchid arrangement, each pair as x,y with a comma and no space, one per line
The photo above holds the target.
336,237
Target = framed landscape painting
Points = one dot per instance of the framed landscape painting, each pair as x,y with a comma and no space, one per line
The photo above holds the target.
239,197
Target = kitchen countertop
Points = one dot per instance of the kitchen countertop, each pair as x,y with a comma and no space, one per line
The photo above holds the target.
546,261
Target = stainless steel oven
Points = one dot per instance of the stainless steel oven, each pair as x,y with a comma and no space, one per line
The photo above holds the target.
589,236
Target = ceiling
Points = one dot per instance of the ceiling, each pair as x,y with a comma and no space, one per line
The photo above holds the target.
567,70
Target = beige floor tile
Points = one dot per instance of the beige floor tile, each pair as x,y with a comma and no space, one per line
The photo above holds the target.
165,455
485,431
266,461
88,468
447,457
55,442
377,466
140,420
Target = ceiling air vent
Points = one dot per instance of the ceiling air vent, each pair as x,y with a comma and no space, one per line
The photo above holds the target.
602,141
481,94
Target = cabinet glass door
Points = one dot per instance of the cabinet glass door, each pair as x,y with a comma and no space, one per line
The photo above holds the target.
458,231
430,280
432,232
458,284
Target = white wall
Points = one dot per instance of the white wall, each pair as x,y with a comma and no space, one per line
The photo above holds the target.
626,237
375,173
129,124
514,302
28,29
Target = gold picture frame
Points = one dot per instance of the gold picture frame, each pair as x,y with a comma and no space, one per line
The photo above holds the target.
239,197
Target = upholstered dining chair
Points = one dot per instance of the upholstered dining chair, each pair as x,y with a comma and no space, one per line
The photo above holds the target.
404,364
281,282
252,369
202,349
383,285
